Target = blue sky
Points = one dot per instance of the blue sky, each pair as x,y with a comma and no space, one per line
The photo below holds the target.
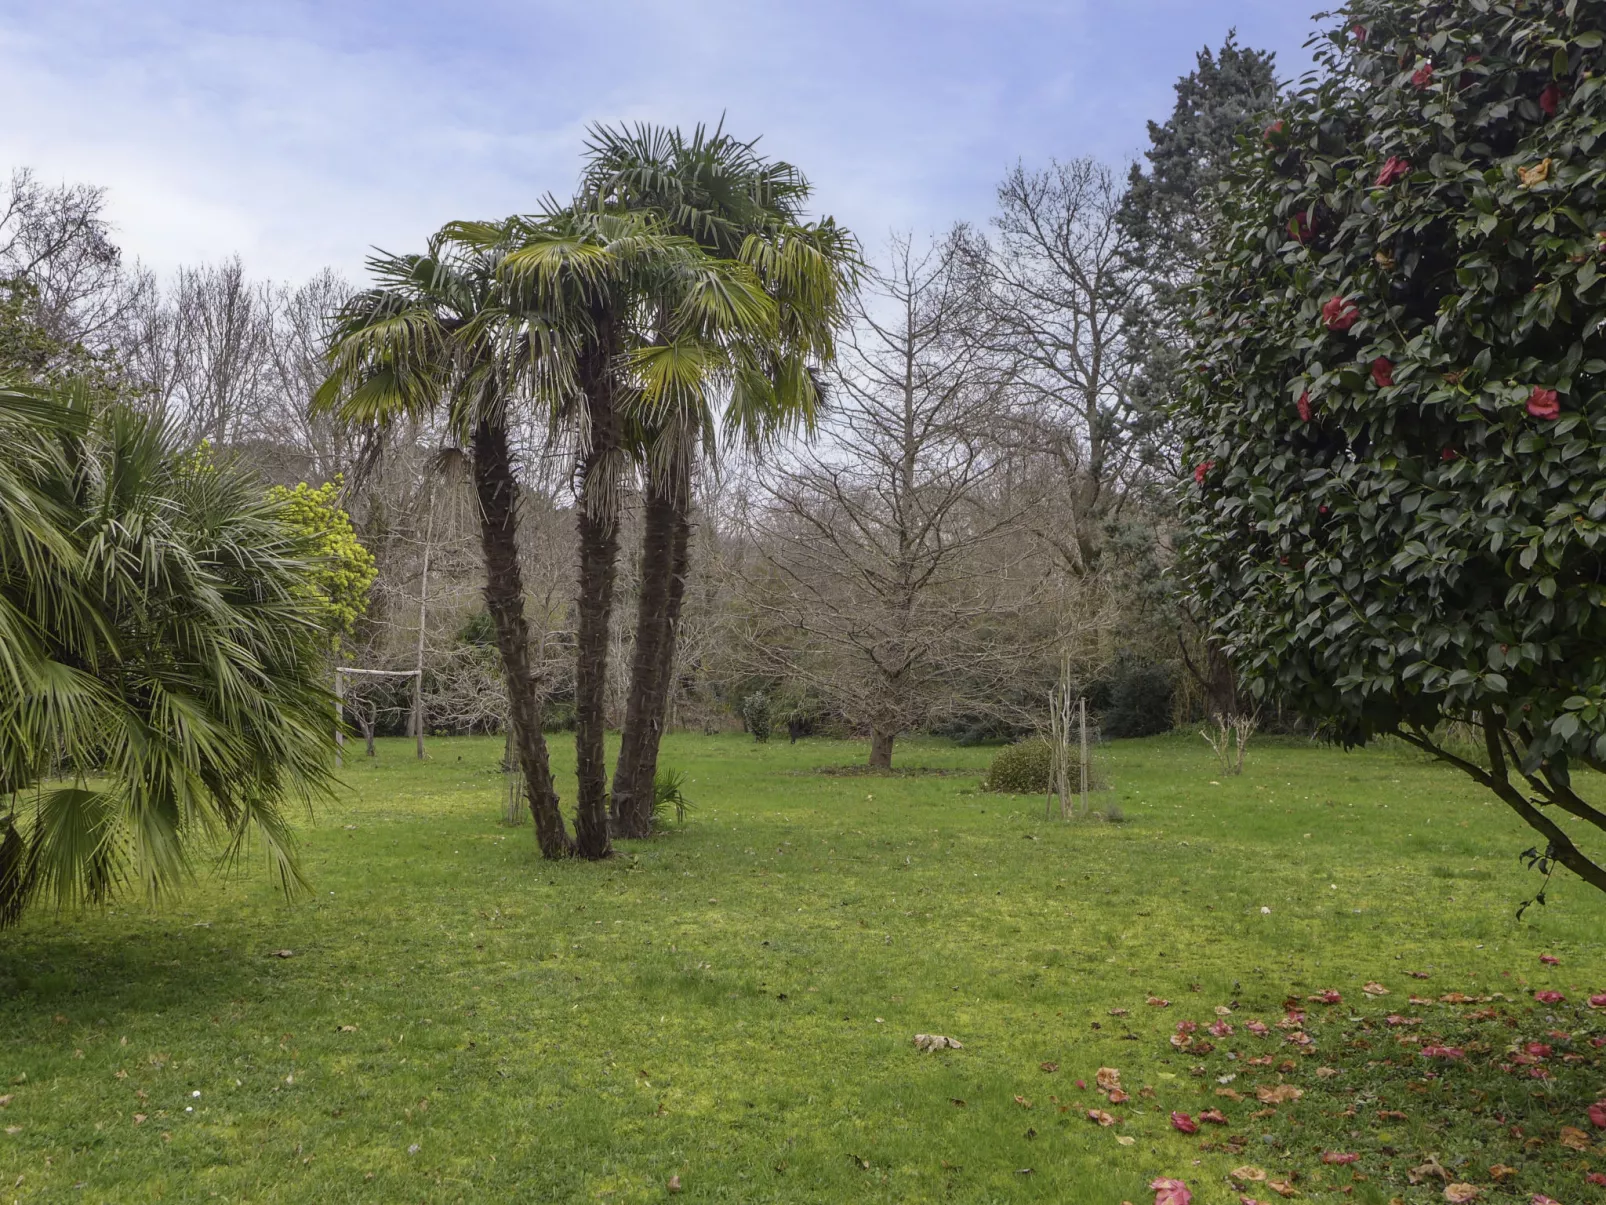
300,134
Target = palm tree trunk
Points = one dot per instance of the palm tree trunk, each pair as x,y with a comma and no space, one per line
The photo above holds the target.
504,597
599,552
664,557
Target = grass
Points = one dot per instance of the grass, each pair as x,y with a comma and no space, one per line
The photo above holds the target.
733,1002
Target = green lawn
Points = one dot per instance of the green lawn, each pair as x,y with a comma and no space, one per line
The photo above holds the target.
733,1002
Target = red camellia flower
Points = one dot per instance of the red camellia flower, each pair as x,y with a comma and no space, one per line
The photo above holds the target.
1598,1001
1542,403
1394,168
1449,454
1301,226
1359,31
1184,1123
1276,133
1422,76
1303,406
1597,1114
1549,99
1339,1157
1383,372
1549,997
1199,470
1340,314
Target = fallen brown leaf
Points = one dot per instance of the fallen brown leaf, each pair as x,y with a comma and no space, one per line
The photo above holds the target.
1278,1094
935,1041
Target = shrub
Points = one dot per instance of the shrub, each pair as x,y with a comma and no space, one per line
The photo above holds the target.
1139,699
1396,420
667,793
757,714
1022,769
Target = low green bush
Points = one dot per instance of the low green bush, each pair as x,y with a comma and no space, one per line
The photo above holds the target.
1021,769
759,715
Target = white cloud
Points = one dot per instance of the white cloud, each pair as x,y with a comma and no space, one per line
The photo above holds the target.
300,134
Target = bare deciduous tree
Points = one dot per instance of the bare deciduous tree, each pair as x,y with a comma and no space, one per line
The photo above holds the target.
880,563
1055,285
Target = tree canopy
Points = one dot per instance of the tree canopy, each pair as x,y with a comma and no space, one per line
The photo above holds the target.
1395,420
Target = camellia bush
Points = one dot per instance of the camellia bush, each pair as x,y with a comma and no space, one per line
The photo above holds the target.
1395,426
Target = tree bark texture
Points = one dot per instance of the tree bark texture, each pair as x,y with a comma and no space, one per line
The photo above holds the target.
504,597
598,520
664,557
881,749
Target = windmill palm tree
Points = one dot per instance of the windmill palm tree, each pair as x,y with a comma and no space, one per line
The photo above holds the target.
736,205
658,325
534,318
439,332
161,658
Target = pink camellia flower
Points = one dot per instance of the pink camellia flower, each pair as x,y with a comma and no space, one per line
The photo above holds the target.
1183,1123
1449,454
1327,997
1261,1029
1339,314
1550,960
1383,372
1171,1192
1394,168
1221,1029
1539,1198
1199,470
1303,406
1597,1114
1443,1052
1549,99
1339,1158
1359,31
1542,403
1548,997
1598,1000
1276,133
1422,76
1538,1049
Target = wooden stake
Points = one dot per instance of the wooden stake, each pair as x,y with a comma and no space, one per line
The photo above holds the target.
423,613
340,718
1083,702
